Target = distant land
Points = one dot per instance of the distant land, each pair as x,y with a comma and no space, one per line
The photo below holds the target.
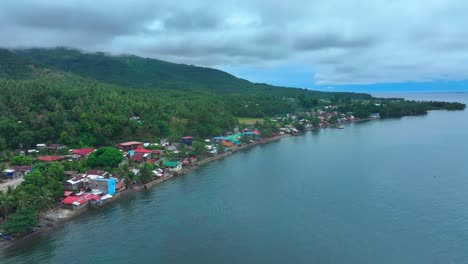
95,99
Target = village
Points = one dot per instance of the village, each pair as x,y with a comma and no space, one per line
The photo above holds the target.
89,184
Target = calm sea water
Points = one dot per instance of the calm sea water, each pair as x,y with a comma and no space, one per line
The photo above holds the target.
389,191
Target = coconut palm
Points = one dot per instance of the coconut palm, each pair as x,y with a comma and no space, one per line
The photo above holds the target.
22,200
44,200
6,202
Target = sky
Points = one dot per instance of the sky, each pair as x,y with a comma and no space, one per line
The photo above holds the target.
356,45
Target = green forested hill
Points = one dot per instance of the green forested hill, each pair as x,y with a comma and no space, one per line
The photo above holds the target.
133,71
63,95
16,67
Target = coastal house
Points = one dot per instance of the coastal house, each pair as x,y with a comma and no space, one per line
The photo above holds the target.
97,174
164,142
80,202
55,147
40,146
219,139
50,158
83,152
102,185
20,171
75,183
126,146
187,140
140,157
142,150
8,173
173,166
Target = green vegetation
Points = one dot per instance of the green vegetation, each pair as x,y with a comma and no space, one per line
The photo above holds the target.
22,221
105,158
94,99
166,100
249,120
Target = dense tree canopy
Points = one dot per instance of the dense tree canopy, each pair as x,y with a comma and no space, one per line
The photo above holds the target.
105,157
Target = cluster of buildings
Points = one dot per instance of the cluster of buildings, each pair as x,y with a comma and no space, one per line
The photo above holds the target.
94,186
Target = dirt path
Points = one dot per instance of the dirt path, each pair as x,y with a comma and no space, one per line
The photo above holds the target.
14,182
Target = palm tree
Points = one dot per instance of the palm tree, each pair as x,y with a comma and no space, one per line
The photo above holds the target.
22,200
126,175
6,201
44,200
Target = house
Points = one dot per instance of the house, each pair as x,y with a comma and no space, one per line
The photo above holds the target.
227,144
158,172
97,174
220,139
20,171
131,145
187,140
40,146
142,150
55,147
173,166
50,158
140,157
83,152
172,148
102,185
80,202
78,182
9,173
164,143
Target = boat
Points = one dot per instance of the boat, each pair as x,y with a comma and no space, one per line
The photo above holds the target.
340,127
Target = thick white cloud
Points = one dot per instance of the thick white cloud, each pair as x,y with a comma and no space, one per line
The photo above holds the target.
346,42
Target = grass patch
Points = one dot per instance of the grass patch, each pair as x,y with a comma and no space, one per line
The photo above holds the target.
249,120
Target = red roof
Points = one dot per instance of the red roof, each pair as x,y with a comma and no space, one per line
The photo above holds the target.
256,132
142,150
138,157
50,158
91,196
188,137
70,199
67,193
83,151
81,199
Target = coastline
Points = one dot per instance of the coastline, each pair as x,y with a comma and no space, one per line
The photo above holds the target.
48,224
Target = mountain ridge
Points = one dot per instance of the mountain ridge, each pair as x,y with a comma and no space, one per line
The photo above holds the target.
138,72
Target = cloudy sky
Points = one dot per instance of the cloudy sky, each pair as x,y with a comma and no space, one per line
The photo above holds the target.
324,44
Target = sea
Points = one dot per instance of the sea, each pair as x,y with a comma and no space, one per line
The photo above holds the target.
382,191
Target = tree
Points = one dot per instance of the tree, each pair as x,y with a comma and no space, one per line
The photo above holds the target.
106,158
146,172
6,202
34,178
266,132
126,175
22,200
54,171
220,148
198,148
22,221
65,138
55,188
44,200
21,161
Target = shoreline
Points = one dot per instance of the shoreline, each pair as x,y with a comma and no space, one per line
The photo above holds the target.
48,224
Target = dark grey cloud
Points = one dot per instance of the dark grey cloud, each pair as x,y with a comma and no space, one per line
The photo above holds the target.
363,41
327,41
